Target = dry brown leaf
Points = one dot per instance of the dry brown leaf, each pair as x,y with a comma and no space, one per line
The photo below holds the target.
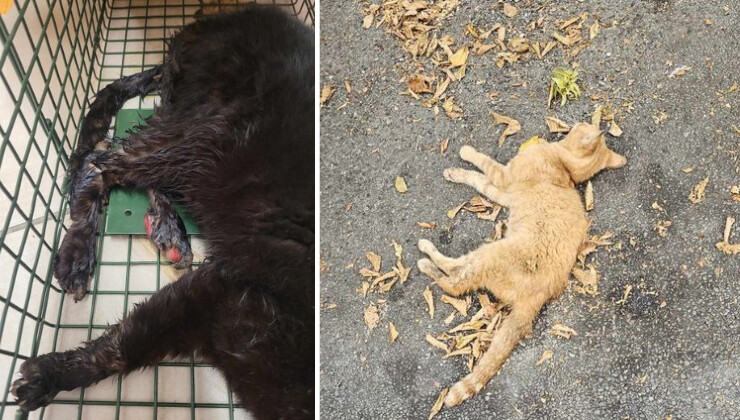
453,212
546,355
593,30
662,227
452,109
400,185
459,304
625,295
596,116
367,21
460,58
656,206
588,279
443,146
589,196
427,225
735,192
371,316
393,331
419,84
725,246
347,86
374,260
614,129
429,298
512,126
436,343
697,192
438,404
562,331
327,92
510,11
556,126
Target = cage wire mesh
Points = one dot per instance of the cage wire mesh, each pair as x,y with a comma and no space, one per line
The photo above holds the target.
56,54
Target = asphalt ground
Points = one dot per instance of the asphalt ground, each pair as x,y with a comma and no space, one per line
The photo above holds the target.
670,349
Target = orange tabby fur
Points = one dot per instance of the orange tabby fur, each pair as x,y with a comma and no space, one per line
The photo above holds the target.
546,227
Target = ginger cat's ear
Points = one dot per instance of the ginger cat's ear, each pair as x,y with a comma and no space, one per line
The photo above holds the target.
615,160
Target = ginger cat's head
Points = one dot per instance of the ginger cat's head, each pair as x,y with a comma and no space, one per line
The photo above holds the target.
586,153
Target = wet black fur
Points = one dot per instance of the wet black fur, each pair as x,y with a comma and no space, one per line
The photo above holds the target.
233,139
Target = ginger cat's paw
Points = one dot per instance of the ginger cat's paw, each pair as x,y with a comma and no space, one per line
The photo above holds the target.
426,246
453,174
467,153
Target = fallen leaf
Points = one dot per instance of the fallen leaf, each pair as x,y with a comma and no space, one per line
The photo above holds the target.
371,316
429,298
510,11
453,212
427,225
436,343
662,227
546,355
512,126
401,185
697,192
418,84
656,206
614,129
438,404
327,92
460,58
679,71
459,304
725,246
562,331
556,126
393,331
347,86
374,260
589,196
593,30
443,146
625,295
596,116
452,109
588,279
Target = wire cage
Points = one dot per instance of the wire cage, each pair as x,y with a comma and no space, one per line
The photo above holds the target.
56,54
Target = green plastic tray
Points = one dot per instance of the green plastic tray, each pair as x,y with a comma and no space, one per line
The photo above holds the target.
127,207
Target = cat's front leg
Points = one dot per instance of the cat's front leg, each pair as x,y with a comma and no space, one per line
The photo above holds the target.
493,170
478,181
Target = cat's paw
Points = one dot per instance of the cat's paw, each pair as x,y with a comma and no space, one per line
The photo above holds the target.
35,387
467,153
167,231
453,174
74,262
426,246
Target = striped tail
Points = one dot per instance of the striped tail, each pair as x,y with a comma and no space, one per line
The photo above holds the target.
514,327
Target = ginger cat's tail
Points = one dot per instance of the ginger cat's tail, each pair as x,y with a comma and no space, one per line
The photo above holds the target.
517,325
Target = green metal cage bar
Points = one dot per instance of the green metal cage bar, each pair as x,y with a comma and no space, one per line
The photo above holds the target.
55,55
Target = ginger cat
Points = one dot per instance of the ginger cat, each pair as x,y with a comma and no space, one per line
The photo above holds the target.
546,227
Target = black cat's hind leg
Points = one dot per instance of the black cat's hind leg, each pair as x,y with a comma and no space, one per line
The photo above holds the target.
173,322
166,229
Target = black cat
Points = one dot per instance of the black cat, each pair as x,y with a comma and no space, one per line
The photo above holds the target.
233,140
